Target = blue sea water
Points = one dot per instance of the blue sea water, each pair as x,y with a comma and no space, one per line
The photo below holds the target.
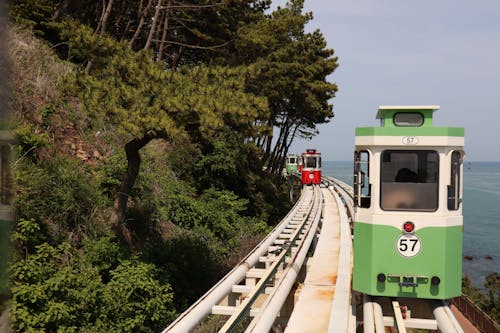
481,210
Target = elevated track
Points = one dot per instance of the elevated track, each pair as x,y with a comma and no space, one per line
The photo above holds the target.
298,279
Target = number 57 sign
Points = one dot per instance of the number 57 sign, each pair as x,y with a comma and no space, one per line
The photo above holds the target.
408,245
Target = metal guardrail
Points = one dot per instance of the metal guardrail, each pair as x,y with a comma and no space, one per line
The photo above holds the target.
188,320
346,195
342,318
295,249
264,320
475,314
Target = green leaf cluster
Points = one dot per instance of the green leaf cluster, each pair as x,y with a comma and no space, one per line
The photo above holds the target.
140,98
290,68
488,298
62,289
62,194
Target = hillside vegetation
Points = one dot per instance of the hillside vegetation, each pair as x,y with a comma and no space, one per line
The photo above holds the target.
150,138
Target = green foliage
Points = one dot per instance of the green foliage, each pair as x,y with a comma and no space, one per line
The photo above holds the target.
470,290
135,301
104,255
217,211
222,166
151,198
29,139
290,67
110,171
57,289
27,235
202,198
492,303
32,13
53,291
489,298
182,160
187,261
228,163
62,192
141,98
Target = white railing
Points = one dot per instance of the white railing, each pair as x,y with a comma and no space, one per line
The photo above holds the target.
189,319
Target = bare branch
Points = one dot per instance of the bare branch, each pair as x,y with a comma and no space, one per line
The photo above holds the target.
163,42
197,46
106,16
193,6
141,23
153,26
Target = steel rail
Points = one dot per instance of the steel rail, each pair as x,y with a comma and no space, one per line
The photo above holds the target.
374,321
345,192
446,321
341,309
190,318
244,308
344,186
270,309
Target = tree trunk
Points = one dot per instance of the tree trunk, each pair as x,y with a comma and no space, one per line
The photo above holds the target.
139,12
278,153
288,143
99,22
165,32
272,157
268,141
140,24
60,10
125,31
177,57
153,26
291,139
121,199
105,16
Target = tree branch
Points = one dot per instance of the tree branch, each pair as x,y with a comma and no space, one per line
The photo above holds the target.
193,6
153,26
197,46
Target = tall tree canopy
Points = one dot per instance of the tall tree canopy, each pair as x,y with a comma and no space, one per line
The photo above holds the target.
290,69
145,102
193,68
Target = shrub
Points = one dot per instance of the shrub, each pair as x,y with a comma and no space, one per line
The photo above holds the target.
62,194
59,289
54,291
135,301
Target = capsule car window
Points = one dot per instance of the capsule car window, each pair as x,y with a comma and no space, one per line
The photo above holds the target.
310,162
408,119
409,180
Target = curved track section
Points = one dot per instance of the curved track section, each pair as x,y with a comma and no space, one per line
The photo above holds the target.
264,277
299,279
323,299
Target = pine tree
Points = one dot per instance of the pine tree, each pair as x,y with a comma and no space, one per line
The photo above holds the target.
144,102
290,67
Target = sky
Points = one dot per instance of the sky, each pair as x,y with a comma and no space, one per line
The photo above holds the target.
402,52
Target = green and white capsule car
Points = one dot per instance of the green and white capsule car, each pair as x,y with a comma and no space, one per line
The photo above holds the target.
408,196
292,162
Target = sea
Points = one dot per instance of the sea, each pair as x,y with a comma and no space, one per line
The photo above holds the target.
481,210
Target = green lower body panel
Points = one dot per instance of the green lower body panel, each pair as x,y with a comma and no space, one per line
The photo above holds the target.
376,255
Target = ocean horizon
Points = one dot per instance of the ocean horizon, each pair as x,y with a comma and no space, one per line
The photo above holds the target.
481,211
